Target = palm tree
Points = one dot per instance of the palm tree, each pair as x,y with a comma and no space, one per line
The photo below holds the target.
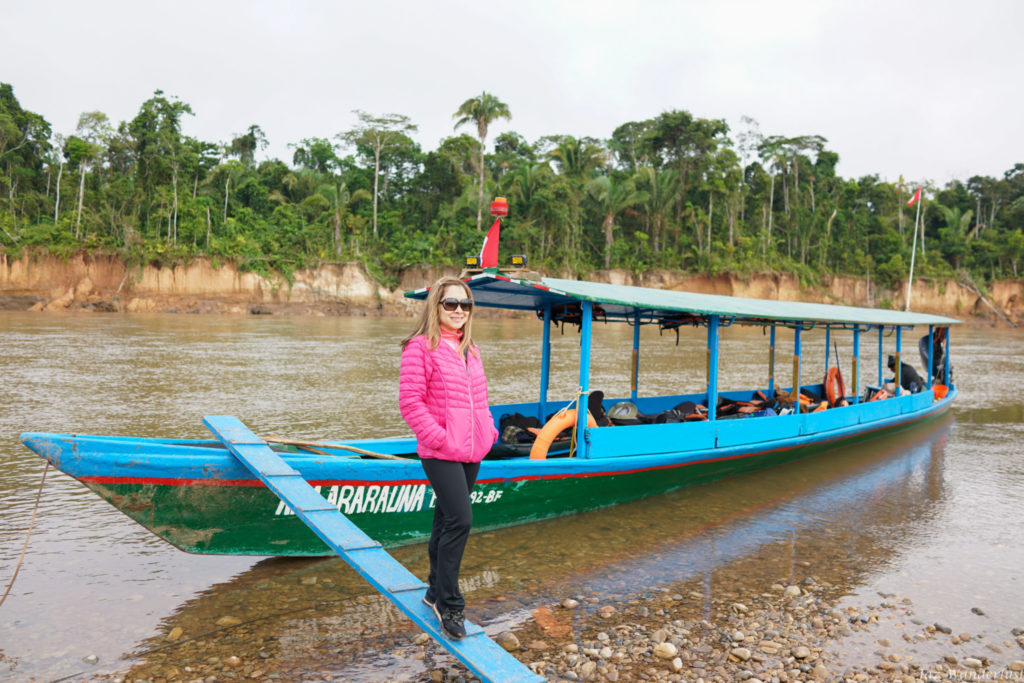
339,196
482,110
663,190
956,234
613,197
577,157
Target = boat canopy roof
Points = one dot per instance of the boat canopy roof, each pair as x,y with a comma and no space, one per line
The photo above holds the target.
623,302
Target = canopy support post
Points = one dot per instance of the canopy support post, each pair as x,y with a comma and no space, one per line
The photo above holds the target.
545,362
828,347
634,379
771,363
856,364
881,328
931,350
796,370
948,381
899,366
582,445
712,368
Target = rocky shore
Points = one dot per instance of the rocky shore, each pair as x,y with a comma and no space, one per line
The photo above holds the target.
795,631
791,633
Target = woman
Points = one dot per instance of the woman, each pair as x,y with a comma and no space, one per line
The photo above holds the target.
443,396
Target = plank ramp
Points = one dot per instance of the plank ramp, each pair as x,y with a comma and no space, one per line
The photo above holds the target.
485,658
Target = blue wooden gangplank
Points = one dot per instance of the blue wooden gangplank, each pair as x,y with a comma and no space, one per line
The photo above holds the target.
485,658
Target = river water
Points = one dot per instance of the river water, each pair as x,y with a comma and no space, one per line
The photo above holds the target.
932,514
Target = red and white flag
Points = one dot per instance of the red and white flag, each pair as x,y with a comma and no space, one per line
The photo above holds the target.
916,198
489,251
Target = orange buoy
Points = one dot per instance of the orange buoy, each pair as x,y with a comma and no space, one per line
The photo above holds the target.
835,389
558,422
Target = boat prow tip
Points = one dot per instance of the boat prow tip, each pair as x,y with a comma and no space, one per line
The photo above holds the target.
42,445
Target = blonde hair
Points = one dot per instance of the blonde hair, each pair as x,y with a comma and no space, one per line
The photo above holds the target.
429,323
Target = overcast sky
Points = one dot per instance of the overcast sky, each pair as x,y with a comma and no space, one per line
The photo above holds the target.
930,90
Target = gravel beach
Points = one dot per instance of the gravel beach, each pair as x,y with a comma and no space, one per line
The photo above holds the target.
780,632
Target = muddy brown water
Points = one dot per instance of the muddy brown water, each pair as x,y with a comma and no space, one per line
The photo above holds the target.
933,514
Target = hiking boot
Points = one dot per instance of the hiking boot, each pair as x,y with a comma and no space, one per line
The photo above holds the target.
453,623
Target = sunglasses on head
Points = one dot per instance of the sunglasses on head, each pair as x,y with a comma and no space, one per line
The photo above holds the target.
450,304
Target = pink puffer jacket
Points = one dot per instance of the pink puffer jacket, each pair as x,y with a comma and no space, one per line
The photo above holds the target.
444,400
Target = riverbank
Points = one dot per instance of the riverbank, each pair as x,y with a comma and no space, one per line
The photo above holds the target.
104,284
796,629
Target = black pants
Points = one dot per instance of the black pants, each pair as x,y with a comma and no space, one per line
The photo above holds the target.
453,516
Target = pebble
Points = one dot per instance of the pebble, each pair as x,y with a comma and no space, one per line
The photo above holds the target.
972,663
665,650
175,634
508,641
801,652
738,636
538,645
232,661
793,591
1017,665
418,639
943,629
91,659
741,653
978,611
228,620
569,603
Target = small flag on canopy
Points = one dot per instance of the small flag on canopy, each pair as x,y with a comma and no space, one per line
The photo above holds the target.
489,251
916,198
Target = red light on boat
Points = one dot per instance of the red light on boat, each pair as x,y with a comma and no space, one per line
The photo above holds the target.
499,207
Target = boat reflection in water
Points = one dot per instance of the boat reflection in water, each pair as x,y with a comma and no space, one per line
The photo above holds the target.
840,517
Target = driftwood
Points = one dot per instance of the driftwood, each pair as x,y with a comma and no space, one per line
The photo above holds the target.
967,282
315,447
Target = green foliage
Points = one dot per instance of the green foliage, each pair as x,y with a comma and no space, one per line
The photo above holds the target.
892,271
672,191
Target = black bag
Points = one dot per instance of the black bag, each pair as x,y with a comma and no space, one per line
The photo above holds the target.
514,428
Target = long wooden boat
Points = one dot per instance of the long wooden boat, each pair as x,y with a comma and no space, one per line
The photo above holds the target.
197,496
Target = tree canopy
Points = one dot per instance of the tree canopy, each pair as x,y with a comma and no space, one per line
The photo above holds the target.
672,191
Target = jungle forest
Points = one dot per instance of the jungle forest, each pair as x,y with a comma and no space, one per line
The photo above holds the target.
674,191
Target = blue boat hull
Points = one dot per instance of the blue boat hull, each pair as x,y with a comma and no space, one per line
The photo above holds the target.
196,495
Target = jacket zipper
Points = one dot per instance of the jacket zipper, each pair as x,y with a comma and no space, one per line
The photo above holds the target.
472,409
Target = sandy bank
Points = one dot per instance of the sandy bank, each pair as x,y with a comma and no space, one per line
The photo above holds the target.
42,282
